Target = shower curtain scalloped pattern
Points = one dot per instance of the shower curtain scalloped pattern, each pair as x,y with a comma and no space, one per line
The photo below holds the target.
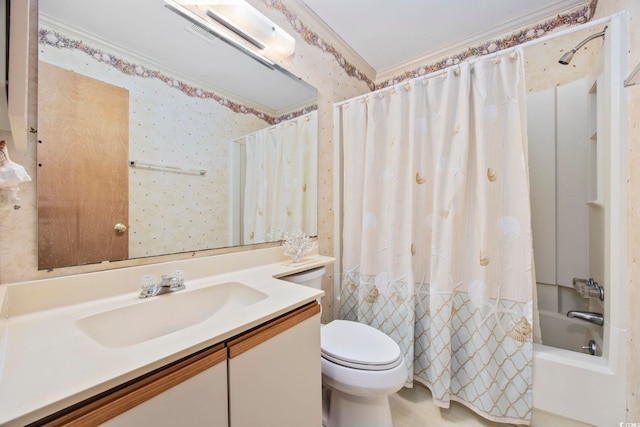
437,248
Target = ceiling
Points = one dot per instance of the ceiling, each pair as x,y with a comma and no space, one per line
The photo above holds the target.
390,33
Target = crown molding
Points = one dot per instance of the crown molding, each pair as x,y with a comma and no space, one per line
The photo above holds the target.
306,15
558,7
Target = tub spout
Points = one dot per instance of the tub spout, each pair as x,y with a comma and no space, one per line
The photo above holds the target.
589,316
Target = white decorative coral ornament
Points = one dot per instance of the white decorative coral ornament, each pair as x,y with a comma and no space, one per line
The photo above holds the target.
297,245
11,174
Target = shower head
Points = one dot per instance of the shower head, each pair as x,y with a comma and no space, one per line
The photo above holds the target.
567,57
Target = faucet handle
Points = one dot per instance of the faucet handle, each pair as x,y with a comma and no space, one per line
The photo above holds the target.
148,285
148,282
588,288
179,274
591,347
176,281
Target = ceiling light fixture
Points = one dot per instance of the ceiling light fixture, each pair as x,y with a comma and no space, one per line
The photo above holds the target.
238,23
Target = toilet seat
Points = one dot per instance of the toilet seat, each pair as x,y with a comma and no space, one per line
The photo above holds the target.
358,346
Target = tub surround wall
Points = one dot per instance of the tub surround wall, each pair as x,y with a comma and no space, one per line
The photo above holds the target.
561,177
560,299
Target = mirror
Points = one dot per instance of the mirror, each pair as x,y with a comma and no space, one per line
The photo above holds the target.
156,137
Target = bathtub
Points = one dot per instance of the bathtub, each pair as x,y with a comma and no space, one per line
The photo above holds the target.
571,387
560,331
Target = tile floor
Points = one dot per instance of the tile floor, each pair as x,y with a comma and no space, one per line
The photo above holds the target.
413,407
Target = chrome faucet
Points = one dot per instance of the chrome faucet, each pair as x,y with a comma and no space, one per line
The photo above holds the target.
589,316
166,285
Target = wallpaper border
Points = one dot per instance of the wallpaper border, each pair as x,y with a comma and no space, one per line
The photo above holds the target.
57,40
576,17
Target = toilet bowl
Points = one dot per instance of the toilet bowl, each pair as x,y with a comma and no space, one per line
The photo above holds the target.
361,367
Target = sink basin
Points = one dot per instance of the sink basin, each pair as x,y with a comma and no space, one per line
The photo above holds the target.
164,314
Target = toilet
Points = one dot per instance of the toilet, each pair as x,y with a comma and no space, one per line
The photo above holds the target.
361,367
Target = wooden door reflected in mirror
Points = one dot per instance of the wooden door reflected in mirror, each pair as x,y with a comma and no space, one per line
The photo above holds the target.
84,131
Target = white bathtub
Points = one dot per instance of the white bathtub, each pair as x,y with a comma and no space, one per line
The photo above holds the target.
572,387
560,331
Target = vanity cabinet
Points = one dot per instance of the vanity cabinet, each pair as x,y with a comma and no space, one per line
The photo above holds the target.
267,376
275,375
198,401
191,391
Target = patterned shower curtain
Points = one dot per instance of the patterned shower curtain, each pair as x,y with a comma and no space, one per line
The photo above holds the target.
437,247
281,180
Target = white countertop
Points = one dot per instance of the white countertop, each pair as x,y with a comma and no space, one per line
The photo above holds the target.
47,363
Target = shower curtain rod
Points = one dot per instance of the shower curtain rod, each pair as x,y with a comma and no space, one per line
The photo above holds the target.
490,55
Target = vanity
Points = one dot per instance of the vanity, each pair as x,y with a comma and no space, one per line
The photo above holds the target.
237,347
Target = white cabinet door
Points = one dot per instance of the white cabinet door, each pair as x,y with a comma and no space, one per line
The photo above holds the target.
275,376
189,392
199,401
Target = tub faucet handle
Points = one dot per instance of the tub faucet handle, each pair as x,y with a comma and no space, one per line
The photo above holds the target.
588,288
591,347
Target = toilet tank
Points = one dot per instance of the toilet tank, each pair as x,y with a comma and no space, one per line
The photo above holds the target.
311,278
